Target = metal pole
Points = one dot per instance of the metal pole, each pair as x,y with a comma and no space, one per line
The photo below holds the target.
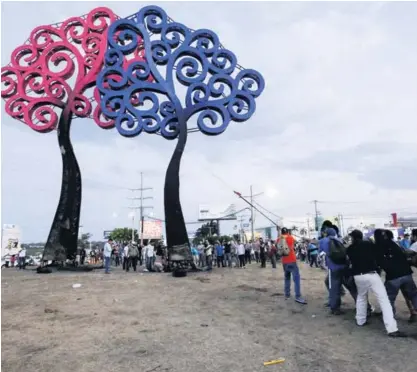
133,227
317,215
252,214
141,209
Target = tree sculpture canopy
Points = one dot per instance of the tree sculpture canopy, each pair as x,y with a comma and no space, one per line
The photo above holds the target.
145,96
54,68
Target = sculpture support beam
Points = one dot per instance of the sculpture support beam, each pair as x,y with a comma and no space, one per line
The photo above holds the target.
176,232
63,236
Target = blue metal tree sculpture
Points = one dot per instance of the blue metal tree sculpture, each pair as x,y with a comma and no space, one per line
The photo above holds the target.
150,96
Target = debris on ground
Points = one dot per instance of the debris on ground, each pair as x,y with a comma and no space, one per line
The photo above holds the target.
203,280
50,311
76,285
272,362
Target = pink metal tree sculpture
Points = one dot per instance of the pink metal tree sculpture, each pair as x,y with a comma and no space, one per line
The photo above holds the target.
45,86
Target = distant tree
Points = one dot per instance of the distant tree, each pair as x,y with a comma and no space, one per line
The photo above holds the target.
83,242
123,234
207,230
294,229
303,231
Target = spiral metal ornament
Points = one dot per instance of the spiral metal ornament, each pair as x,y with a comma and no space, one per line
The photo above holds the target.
218,91
55,68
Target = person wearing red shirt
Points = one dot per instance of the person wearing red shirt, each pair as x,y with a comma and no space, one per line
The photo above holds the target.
289,264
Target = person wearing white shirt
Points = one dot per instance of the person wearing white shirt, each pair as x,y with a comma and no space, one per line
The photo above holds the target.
241,254
107,255
125,256
150,256
22,259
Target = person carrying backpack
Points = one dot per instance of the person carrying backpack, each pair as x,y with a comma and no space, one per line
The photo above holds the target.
289,263
336,261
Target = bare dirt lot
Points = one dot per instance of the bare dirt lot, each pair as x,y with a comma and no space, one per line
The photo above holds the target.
228,320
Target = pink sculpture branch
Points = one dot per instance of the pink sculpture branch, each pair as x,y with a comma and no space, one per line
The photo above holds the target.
45,86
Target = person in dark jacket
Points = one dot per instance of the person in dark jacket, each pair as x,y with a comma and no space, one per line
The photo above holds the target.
364,257
398,271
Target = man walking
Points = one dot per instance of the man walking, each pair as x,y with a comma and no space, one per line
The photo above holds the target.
363,257
107,255
133,257
289,264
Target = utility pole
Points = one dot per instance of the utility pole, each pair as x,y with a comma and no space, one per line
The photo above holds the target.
308,227
317,215
252,215
141,207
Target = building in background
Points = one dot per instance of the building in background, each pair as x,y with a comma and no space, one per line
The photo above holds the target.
11,238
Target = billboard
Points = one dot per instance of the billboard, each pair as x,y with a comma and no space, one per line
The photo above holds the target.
10,239
152,229
205,213
106,234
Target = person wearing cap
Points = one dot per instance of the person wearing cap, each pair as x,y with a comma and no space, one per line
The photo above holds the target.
364,257
289,264
107,255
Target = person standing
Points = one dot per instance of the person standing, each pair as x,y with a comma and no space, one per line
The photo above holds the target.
273,255
201,256
248,258
150,256
363,256
133,257
241,254
336,271
220,254
313,251
228,253
126,257
22,259
107,255
262,252
290,267
82,256
208,251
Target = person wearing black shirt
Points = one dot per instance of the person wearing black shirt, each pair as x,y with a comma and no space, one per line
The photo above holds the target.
262,251
363,256
228,253
398,273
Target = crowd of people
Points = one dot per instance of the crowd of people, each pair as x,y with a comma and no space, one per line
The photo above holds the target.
353,265
131,255
357,265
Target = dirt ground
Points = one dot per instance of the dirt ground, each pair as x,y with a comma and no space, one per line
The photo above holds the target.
225,321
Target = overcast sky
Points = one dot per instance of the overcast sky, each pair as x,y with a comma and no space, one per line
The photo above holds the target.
337,121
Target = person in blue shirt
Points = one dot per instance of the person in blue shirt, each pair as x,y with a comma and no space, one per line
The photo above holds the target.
220,254
405,243
313,251
335,274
